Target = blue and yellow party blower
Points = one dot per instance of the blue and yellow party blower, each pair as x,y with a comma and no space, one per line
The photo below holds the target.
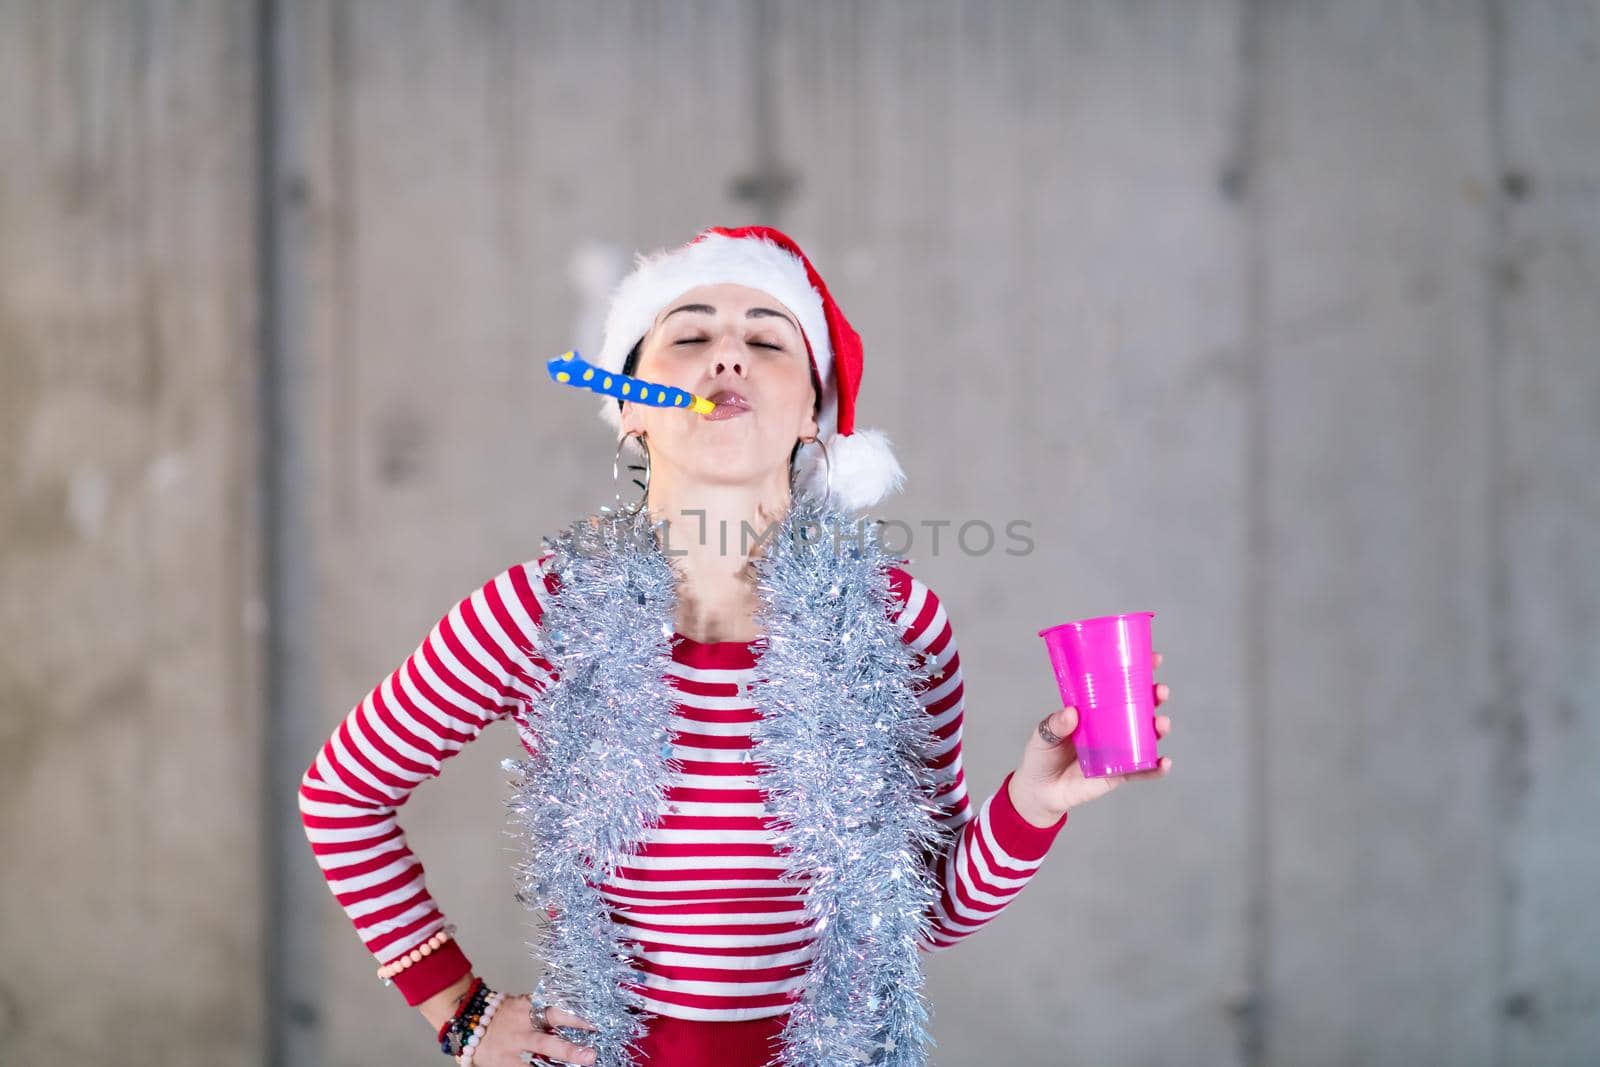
571,369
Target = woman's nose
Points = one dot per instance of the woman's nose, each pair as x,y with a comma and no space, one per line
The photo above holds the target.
726,356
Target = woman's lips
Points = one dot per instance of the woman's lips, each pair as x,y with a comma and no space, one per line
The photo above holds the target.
729,405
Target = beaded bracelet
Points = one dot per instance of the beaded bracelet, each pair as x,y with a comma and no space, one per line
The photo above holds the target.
480,1029
458,1028
416,955
461,1004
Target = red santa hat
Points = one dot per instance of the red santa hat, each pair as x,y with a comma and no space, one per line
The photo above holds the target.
864,469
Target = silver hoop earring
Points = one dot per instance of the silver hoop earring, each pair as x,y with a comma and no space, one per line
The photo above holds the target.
827,466
616,472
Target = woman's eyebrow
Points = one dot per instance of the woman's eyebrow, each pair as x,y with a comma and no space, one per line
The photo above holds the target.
752,313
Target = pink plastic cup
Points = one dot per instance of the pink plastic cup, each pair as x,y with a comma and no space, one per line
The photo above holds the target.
1103,669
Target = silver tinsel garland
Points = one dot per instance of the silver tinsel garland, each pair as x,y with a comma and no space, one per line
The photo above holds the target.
844,743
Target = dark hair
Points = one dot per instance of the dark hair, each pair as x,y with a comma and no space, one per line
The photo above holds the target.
631,364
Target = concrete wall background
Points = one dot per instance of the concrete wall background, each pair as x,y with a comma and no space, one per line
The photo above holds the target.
1288,315
131,711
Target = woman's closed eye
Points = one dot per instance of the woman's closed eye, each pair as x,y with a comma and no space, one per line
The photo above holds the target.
703,340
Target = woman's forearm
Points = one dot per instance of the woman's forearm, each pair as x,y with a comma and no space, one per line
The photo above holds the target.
473,668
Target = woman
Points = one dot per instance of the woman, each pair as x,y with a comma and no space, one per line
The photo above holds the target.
719,942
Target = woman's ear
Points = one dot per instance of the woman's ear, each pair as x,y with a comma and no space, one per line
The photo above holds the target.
630,418
809,428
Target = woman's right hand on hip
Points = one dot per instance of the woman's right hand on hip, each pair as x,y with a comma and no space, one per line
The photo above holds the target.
513,1031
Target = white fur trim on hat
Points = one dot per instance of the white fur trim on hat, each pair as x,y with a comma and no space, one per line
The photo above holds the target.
864,469
660,277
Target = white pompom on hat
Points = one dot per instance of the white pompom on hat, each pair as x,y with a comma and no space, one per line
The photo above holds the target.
864,469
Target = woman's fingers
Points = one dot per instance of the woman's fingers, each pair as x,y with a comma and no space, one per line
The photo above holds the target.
543,1046
1163,725
562,1017
559,1049
1162,692
1159,771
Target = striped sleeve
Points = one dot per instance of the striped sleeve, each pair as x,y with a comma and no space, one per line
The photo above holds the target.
991,854
477,664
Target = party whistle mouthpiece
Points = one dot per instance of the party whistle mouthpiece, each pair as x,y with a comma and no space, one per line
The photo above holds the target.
570,368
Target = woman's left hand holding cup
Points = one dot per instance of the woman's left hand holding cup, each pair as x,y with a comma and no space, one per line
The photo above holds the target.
1048,781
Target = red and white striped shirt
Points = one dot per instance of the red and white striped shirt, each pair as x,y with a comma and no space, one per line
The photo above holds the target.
721,938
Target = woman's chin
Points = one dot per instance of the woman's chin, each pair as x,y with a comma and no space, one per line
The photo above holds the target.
727,466
725,452
725,474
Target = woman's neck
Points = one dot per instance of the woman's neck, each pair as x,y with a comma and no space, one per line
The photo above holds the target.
713,532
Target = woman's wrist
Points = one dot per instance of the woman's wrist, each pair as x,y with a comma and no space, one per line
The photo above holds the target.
1024,804
440,1007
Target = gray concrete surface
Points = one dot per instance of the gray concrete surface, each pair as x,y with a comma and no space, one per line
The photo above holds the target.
131,718
1278,319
